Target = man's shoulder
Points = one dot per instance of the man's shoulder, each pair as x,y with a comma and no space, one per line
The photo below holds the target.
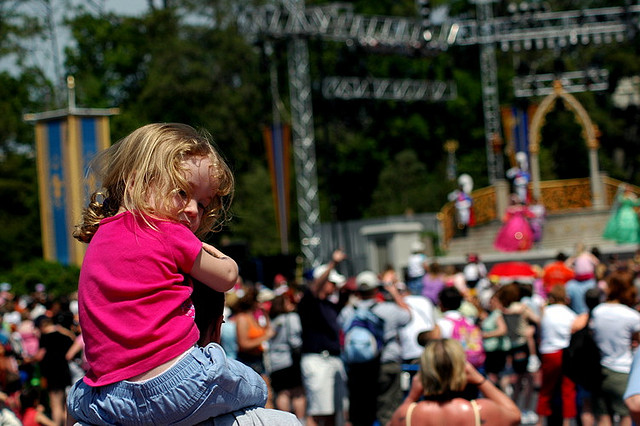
419,302
256,416
388,309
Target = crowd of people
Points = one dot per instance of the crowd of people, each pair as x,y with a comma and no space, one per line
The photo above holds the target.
40,356
294,335
512,333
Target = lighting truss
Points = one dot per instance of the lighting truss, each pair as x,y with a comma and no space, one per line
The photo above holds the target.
572,82
337,22
548,29
388,89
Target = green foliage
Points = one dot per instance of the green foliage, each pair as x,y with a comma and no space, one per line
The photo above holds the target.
562,136
159,68
254,219
60,280
17,28
17,96
19,216
401,187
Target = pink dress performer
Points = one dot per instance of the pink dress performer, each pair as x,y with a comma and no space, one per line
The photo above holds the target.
516,233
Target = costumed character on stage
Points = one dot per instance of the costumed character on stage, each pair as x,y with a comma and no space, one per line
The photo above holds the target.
537,221
463,203
623,226
520,177
516,233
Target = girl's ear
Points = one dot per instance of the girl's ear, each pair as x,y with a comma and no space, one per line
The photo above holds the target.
129,184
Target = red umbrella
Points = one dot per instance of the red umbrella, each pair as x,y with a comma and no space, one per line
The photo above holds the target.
512,271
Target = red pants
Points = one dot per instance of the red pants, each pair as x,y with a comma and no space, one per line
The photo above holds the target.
551,375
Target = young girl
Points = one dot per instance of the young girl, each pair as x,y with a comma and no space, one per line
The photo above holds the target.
161,186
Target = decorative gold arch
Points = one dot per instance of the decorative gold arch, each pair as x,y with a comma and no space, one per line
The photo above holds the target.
590,133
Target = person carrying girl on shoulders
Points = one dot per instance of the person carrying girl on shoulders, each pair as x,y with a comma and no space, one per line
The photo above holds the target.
163,187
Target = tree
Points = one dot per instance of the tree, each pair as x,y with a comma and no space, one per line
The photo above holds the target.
60,280
254,219
401,187
20,239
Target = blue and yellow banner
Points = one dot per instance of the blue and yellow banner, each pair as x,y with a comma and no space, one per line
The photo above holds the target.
65,144
515,122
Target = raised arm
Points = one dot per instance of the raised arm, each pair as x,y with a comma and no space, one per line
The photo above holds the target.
316,285
496,408
399,417
397,297
214,269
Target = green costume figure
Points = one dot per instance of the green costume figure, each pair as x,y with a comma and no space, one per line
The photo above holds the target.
623,226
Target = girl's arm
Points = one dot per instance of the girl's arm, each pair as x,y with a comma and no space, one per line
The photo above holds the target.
214,269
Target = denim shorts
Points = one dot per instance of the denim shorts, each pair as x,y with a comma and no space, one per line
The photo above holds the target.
202,384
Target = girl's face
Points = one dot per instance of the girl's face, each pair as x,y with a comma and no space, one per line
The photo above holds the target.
203,189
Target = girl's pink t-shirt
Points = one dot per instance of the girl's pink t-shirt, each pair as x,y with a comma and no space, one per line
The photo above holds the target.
134,296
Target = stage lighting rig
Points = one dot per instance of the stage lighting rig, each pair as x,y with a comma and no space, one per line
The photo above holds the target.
526,27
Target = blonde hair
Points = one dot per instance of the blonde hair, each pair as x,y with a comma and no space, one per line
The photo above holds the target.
144,171
442,367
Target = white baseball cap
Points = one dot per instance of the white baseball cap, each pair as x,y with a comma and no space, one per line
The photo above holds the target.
367,280
336,278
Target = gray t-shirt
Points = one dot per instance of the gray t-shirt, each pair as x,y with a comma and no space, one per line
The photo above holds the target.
255,416
613,325
394,318
288,335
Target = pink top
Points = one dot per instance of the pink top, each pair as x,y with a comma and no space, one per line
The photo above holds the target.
29,417
134,299
584,266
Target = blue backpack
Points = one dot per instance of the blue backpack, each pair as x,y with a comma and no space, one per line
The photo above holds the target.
363,336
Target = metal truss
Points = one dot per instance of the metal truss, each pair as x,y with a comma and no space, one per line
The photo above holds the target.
336,22
388,89
572,82
304,150
490,98
548,29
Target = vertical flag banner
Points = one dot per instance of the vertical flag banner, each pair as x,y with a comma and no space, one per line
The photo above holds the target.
277,140
515,122
66,141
